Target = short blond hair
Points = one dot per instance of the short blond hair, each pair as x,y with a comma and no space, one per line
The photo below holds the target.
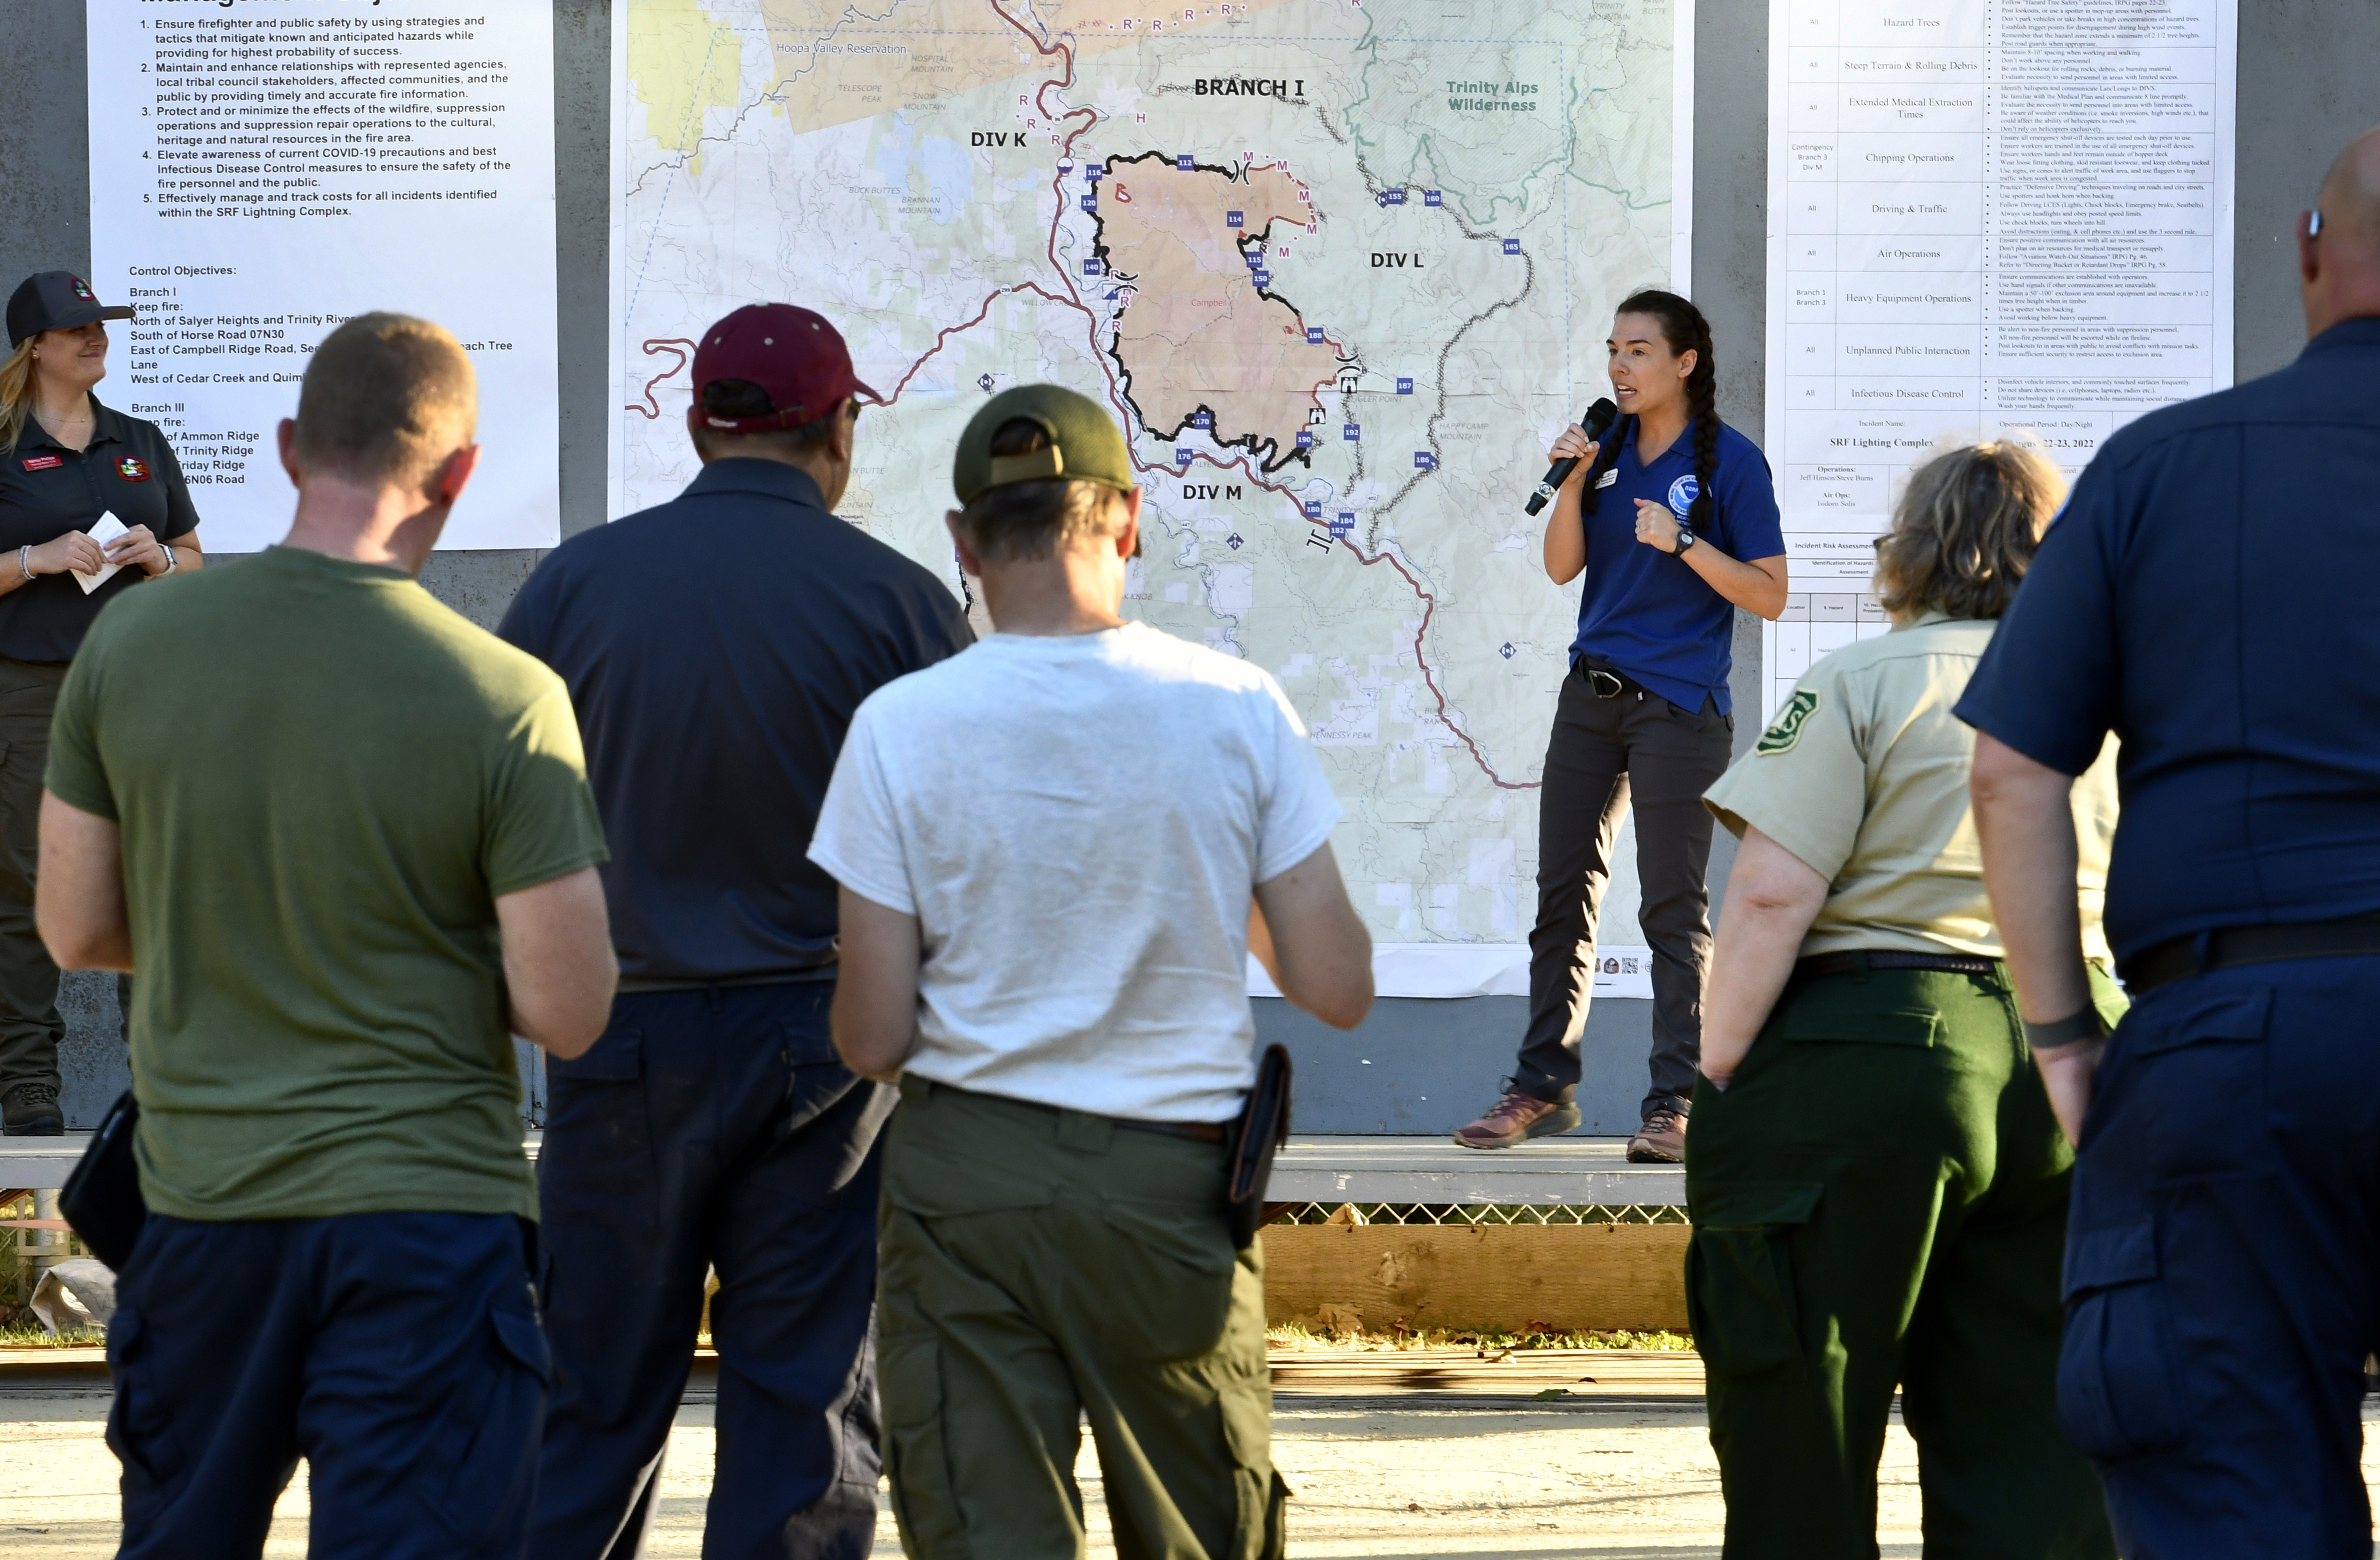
1019,521
1965,530
386,399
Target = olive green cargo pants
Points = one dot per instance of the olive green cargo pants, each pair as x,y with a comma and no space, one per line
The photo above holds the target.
1041,1267
1879,1199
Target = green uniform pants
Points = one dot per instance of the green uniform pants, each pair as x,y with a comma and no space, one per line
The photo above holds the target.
1879,1199
1041,1267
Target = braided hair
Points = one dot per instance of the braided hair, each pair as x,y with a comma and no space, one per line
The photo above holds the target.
1684,327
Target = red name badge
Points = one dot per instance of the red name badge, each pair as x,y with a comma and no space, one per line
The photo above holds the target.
132,470
44,462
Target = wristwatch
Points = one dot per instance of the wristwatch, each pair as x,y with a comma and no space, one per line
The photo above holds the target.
1685,540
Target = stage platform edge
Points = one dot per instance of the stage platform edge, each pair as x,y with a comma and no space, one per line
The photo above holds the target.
1551,1172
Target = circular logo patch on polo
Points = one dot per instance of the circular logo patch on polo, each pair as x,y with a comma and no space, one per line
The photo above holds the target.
1780,737
132,469
1682,494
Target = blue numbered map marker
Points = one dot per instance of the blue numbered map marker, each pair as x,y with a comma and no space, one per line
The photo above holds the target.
1424,461
1314,336
1090,267
1430,198
1344,524
1180,456
1404,387
1512,246
1313,509
1235,218
1183,162
1352,432
1305,439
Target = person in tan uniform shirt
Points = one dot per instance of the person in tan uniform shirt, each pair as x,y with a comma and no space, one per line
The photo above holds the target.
1877,1182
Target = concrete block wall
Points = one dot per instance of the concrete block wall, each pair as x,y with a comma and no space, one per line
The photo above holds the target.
2305,87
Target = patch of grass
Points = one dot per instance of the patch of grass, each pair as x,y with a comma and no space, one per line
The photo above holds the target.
30,1334
1295,1337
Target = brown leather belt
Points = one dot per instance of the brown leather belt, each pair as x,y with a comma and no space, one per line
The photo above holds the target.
1856,961
2228,948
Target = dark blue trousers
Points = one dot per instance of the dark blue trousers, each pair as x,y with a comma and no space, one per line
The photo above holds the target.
399,1354
712,1129
2222,1276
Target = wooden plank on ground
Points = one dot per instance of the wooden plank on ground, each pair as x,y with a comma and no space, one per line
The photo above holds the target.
1517,1373
1490,1277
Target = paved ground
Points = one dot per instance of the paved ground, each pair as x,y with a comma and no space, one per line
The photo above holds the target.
1385,1484
1390,1482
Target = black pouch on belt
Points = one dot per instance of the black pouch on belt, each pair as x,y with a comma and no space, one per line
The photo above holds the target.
102,1199
1263,1127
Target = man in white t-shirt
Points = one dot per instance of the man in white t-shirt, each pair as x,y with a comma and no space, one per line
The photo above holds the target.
1056,851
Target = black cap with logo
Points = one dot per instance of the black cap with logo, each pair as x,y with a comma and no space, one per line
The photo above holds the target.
55,300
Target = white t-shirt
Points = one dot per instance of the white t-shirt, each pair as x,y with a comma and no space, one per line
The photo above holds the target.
1077,824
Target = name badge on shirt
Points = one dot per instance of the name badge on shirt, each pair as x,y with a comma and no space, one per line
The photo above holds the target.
44,462
1609,477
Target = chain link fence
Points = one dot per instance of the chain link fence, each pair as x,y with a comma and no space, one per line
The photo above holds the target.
1478,1213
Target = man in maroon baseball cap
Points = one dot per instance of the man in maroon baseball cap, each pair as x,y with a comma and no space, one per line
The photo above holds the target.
793,358
716,647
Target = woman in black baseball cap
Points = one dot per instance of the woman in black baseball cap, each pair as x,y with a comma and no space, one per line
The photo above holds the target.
92,502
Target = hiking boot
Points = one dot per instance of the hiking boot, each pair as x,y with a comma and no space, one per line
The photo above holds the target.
1516,1119
30,1110
1661,1141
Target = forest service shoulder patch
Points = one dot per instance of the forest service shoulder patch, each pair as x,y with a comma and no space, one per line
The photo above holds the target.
1780,737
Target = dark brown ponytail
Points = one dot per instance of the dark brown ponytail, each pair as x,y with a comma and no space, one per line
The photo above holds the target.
1684,327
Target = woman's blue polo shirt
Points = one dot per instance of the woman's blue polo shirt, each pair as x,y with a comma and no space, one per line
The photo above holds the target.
1645,612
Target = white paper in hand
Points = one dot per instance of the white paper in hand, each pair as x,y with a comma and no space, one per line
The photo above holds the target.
108,528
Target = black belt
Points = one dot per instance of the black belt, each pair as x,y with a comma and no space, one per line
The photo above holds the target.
2228,948
1605,683
1856,961
1196,1131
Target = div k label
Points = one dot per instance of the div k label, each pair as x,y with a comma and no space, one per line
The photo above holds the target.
999,138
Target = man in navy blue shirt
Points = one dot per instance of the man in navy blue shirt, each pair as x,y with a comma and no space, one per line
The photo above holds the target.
716,647
2207,597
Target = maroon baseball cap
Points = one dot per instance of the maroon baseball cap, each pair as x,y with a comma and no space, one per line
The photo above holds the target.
790,353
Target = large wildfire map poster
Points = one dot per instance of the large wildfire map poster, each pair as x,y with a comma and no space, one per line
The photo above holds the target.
1341,268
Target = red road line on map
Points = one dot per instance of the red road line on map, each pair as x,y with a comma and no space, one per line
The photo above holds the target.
949,331
654,348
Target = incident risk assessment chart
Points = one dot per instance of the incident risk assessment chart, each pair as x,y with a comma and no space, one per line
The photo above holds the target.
1987,218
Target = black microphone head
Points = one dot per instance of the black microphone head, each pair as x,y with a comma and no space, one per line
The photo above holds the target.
1600,417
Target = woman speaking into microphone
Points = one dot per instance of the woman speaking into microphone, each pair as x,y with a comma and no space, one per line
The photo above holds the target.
1673,519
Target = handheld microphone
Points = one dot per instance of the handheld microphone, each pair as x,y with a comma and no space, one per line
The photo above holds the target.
1597,422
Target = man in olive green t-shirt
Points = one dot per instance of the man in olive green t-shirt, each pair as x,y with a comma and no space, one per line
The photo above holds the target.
346,840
